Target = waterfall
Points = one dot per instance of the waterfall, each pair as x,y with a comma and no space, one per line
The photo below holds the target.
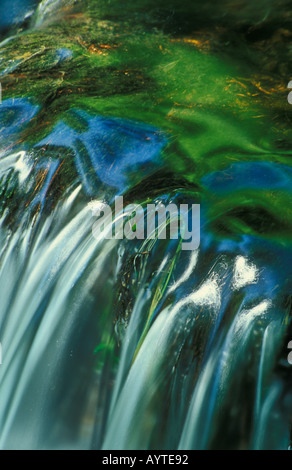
48,8
125,343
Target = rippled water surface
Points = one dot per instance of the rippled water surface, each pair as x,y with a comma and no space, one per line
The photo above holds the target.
138,344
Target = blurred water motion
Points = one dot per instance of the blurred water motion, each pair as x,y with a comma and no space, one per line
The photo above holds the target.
137,344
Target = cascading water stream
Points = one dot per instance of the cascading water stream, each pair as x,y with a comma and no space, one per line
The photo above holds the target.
139,344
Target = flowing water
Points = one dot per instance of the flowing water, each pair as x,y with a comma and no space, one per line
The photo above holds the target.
138,344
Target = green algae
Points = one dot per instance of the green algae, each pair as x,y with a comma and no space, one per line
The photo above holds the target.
215,107
216,88
219,101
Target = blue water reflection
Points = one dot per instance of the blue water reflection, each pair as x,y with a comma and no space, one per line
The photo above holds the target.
12,13
112,151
